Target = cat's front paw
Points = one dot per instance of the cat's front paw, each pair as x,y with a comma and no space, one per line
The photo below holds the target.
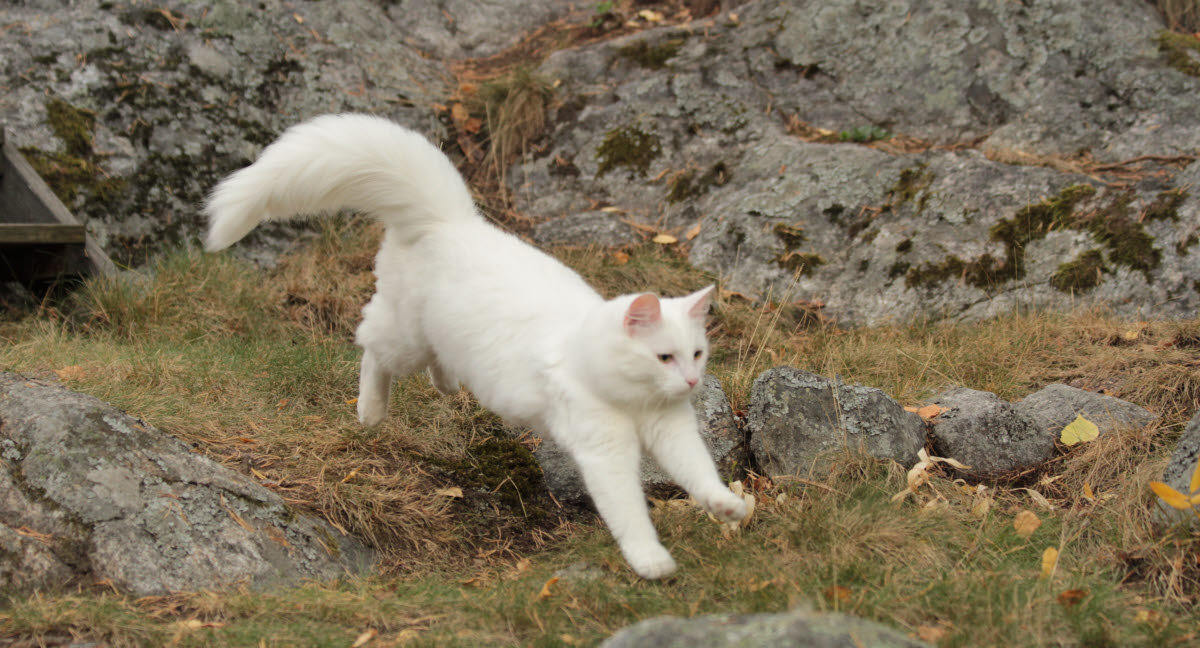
725,506
650,561
371,412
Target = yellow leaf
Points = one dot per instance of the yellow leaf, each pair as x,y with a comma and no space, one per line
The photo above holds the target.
611,210
665,239
459,112
545,593
650,15
1026,522
1172,497
350,475
1049,561
620,258
693,233
1080,430
837,594
352,401
1195,483
930,411
1087,492
364,638
453,491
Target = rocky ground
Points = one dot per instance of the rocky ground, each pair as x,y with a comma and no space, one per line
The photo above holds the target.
875,162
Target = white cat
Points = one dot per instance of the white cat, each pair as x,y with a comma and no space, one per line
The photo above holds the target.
473,304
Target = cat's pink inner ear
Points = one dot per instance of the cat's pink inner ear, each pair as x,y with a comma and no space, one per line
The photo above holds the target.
642,314
699,302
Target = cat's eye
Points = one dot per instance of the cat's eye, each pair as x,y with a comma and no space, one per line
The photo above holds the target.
665,357
698,354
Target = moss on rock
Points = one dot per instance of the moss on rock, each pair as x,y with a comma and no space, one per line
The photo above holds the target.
805,263
1182,51
793,236
1084,273
629,147
651,56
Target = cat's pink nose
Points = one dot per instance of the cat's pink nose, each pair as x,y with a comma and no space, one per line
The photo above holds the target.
692,381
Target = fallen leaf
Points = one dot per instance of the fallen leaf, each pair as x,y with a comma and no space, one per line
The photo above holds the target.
733,18
1026,522
1072,597
1150,617
665,239
473,125
1039,498
981,507
453,491
621,258
523,565
73,372
1049,561
1087,492
612,210
298,17
364,638
650,15
930,412
352,401
545,593
350,475
459,112
693,233
1172,497
1080,430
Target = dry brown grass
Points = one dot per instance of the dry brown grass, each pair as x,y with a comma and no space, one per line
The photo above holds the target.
1180,15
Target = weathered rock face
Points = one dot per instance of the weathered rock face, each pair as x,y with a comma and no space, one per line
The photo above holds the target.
1179,471
798,627
796,418
718,429
135,111
1055,406
89,492
681,125
992,437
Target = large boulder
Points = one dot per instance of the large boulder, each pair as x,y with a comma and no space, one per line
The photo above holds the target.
734,124
994,438
797,418
718,429
799,627
88,492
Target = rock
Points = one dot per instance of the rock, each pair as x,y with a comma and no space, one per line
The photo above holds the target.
1055,406
797,417
993,438
735,126
798,627
456,29
1179,471
585,229
87,492
718,428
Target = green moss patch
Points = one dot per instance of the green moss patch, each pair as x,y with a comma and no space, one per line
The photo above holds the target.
629,147
1165,205
74,171
74,126
1182,51
912,182
1084,273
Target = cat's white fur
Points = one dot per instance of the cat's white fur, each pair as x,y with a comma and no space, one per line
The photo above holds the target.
477,306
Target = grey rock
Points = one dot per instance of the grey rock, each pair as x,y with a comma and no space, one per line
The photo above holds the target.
585,229
992,437
1055,406
799,627
1178,474
797,419
879,234
718,429
89,492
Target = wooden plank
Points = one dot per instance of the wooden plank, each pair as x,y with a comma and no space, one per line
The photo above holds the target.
33,233
25,198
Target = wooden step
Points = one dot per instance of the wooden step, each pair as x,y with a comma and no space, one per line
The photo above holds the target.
41,233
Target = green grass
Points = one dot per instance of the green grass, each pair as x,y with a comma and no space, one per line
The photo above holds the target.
256,368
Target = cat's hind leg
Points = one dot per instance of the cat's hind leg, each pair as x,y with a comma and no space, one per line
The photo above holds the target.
391,349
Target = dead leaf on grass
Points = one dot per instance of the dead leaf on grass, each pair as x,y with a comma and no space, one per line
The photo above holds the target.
453,491
1071,597
545,593
1026,522
665,239
364,638
1049,562
73,372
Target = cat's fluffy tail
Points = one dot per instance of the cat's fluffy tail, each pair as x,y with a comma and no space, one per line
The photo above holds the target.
358,162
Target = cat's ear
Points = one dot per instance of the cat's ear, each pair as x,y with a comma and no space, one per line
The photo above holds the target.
643,314
697,302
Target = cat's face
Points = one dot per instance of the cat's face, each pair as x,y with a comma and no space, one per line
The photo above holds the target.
666,349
